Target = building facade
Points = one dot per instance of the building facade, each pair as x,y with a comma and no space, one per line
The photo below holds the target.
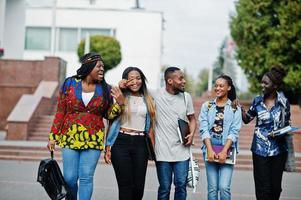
55,28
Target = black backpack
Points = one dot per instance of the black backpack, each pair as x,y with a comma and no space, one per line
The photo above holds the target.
51,178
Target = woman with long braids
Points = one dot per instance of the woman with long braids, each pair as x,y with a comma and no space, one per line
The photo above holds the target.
272,111
78,128
126,146
220,123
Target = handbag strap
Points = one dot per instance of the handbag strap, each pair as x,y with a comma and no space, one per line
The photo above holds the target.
51,154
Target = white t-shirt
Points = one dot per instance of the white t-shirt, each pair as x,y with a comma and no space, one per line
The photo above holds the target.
86,97
169,108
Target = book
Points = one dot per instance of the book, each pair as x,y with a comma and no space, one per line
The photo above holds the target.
183,130
231,154
282,131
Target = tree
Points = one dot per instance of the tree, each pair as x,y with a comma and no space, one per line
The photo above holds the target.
189,86
108,47
202,82
268,33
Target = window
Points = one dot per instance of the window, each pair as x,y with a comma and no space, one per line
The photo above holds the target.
67,39
37,38
96,32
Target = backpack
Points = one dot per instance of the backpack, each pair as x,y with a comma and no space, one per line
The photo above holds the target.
51,178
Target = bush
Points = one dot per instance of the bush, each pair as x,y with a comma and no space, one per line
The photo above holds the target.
108,47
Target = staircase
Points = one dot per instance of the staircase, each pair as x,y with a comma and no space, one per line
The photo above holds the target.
35,147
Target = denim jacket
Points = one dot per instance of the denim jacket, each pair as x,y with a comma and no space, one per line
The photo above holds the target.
115,127
231,125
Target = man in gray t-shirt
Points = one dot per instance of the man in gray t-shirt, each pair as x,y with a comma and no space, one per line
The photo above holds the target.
172,156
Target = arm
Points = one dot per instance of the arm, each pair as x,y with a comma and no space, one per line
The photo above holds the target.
248,116
203,121
55,132
117,107
152,135
192,127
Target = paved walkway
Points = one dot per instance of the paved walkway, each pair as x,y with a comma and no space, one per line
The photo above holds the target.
18,181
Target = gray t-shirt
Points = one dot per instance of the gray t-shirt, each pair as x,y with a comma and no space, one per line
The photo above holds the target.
169,108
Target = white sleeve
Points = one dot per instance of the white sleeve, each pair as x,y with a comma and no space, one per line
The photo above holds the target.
189,103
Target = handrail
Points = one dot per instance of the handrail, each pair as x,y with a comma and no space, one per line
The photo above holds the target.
26,106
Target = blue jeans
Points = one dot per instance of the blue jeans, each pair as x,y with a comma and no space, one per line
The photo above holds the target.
165,170
219,176
80,165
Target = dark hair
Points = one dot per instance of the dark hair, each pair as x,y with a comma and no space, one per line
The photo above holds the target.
276,75
169,71
88,62
232,92
143,90
125,75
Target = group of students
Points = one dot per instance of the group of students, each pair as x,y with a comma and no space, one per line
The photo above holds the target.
135,112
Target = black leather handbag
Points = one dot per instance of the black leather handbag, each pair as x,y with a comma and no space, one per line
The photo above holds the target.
51,178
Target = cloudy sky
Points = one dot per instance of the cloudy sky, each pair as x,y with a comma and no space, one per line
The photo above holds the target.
194,30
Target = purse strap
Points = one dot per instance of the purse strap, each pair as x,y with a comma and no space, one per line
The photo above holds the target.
51,155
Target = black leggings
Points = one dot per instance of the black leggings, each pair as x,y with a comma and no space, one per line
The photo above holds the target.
268,173
129,159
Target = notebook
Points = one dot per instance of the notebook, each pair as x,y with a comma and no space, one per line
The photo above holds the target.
183,130
231,154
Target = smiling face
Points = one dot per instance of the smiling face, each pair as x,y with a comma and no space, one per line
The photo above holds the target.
177,81
268,87
97,73
135,81
221,88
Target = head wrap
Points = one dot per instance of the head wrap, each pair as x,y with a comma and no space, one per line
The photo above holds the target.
88,62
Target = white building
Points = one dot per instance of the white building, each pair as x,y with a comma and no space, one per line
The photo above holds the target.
55,29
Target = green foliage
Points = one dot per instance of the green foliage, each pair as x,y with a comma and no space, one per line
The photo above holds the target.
268,33
189,86
108,47
202,82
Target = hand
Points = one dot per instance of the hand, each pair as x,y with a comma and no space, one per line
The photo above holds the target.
124,83
222,156
51,145
108,156
211,155
118,96
189,139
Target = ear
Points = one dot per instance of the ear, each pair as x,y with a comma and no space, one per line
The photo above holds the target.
169,81
229,88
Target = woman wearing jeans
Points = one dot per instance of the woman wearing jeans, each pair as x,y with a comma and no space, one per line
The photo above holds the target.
220,124
78,125
272,111
126,146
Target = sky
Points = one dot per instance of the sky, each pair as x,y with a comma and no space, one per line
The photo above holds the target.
193,31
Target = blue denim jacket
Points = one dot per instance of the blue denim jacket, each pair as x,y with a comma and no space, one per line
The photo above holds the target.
267,121
231,125
115,127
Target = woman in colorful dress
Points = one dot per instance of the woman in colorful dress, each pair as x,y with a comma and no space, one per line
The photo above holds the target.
272,111
126,145
220,123
78,127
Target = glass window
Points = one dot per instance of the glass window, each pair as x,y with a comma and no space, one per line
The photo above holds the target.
68,39
38,38
95,32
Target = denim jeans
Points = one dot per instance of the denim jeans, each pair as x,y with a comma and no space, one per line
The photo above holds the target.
80,165
219,176
129,159
165,171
